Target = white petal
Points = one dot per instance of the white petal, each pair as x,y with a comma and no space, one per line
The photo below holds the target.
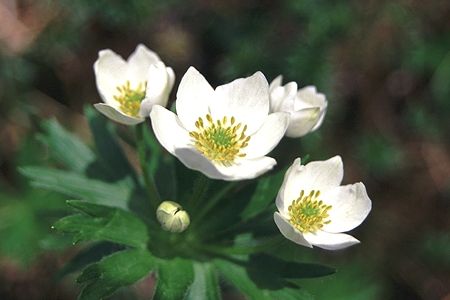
321,118
193,98
168,129
157,91
139,62
110,72
276,82
303,122
282,98
171,75
289,231
247,99
308,96
117,115
350,206
282,202
330,241
247,168
194,160
316,175
268,136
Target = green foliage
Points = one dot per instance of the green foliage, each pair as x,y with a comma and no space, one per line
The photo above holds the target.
265,193
65,147
102,223
78,186
110,157
206,284
354,281
174,278
25,225
238,276
120,269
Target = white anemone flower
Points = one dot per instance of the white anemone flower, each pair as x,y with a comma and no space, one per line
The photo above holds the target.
313,209
306,106
129,89
224,133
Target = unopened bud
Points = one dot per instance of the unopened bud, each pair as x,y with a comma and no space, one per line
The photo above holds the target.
172,217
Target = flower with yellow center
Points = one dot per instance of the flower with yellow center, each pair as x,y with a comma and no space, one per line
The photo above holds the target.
314,209
224,133
306,106
129,89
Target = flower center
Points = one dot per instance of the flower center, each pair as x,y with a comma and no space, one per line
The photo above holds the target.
308,213
130,99
220,141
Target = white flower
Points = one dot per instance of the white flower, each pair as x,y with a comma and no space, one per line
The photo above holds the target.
306,106
224,133
313,209
129,89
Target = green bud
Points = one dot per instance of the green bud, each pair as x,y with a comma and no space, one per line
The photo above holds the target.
172,216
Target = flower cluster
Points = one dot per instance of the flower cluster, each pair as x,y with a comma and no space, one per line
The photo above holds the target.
226,133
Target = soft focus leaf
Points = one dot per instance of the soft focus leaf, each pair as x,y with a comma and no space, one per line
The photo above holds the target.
88,256
110,154
285,269
174,278
78,186
205,285
102,223
66,147
238,276
265,193
25,221
354,281
120,269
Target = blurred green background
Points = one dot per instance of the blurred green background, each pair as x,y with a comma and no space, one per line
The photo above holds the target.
384,66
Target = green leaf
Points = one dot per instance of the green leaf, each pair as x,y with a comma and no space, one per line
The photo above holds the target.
238,276
25,220
110,153
87,256
174,278
103,223
265,193
285,269
120,269
205,285
78,186
65,147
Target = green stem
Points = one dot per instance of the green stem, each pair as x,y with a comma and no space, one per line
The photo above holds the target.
218,252
212,203
264,244
146,174
201,186
239,227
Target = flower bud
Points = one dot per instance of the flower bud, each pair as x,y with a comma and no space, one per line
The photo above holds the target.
172,216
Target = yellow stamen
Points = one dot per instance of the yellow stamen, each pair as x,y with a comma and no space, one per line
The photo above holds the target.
308,213
220,141
130,99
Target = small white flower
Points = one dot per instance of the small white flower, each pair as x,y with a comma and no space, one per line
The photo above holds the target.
306,106
129,89
313,209
224,133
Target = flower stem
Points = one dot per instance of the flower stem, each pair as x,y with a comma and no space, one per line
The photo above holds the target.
146,174
212,203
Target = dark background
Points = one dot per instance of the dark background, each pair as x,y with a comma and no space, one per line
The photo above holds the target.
383,65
